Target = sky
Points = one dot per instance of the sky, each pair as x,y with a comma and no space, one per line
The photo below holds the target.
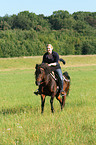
45,7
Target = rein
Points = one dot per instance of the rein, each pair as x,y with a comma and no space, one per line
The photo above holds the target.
53,76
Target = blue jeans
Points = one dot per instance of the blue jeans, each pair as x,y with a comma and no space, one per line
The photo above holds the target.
59,73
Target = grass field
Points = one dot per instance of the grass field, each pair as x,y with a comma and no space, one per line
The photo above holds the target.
21,122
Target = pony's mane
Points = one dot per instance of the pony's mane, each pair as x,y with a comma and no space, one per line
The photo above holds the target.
46,68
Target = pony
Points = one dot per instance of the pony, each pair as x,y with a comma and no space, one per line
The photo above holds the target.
48,85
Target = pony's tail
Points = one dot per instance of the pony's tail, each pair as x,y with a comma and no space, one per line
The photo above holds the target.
69,79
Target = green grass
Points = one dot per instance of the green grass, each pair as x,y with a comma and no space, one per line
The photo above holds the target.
21,122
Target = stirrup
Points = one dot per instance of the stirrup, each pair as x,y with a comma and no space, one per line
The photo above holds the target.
62,93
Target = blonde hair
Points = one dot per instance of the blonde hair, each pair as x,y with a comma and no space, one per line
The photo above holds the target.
49,46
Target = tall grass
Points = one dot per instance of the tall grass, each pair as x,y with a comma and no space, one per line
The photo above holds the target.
21,122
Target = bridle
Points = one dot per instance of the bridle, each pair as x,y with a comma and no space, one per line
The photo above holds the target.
42,82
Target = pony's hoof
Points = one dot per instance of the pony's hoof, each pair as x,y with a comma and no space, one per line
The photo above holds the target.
53,111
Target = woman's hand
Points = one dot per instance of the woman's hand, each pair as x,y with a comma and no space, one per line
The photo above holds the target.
49,64
52,64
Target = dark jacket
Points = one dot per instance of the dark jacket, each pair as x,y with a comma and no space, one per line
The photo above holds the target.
51,58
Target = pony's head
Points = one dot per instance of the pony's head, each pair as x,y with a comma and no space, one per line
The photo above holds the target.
42,70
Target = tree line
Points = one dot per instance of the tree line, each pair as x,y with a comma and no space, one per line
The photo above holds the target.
26,34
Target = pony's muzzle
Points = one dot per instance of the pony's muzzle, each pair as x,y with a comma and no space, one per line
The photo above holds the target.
37,83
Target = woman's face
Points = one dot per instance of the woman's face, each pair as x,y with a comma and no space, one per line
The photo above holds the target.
49,49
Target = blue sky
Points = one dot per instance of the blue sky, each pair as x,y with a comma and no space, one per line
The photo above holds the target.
11,7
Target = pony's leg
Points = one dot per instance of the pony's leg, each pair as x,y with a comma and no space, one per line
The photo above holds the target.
51,102
63,100
60,100
42,103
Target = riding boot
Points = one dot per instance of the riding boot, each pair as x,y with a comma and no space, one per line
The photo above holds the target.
62,93
61,88
59,73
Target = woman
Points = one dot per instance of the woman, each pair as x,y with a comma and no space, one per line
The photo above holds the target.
52,58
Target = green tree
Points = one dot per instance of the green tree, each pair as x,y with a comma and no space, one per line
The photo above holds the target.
21,22
91,21
4,25
57,18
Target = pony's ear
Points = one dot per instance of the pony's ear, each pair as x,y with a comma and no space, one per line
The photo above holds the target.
36,65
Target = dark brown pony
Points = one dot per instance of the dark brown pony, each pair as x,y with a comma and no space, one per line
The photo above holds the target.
48,86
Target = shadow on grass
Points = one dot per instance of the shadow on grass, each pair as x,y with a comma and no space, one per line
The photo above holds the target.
20,110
